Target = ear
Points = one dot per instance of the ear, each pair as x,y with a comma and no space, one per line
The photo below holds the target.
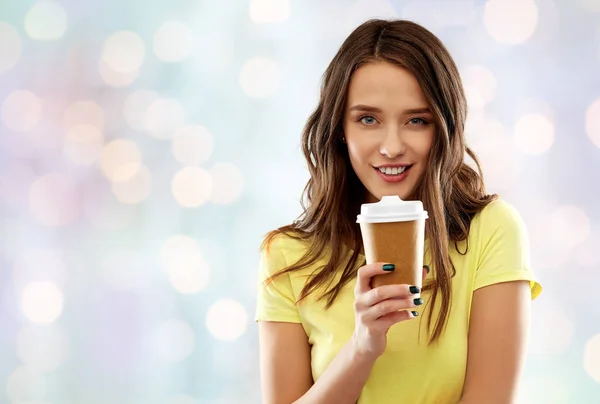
425,271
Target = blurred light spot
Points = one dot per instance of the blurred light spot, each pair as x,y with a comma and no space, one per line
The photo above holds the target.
83,144
591,358
54,200
174,340
260,77
434,14
534,134
592,122
164,117
120,160
84,113
474,98
21,111
510,22
182,399
569,226
192,187
226,320
104,211
192,145
191,278
10,47
42,302
15,181
227,183
117,79
480,84
123,52
34,264
134,190
187,270
24,385
125,271
42,349
269,11
173,42
46,21
551,331
135,109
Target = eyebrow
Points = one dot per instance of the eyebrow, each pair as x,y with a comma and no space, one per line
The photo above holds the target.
367,108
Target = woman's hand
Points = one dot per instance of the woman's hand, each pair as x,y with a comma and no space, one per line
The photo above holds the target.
377,309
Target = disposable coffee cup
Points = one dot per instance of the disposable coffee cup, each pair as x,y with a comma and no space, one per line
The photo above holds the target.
393,231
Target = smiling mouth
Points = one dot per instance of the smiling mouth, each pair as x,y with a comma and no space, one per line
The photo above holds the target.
393,170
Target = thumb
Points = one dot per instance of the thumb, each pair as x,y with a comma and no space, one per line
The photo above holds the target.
425,271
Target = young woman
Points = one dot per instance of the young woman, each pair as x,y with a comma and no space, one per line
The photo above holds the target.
392,97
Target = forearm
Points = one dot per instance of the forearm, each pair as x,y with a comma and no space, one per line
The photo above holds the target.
342,381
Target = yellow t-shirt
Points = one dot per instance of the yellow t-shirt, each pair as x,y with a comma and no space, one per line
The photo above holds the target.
409,371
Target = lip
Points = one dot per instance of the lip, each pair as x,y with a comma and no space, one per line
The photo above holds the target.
397,165
393,178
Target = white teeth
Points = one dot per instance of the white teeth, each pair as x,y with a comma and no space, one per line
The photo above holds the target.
392,170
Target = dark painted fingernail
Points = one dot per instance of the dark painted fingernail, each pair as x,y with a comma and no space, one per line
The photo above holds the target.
426,268
388,267
414,289
414,313
418,301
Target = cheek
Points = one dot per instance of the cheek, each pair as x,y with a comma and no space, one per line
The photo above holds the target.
424,146
355,152
359,149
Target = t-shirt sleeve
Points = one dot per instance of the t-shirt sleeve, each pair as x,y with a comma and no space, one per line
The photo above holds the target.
275,299
504,254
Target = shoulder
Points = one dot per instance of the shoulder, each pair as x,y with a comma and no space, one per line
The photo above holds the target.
499,223
281,249
277,242
499,210
498,215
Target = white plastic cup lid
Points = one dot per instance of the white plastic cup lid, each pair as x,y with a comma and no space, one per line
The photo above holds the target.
391,209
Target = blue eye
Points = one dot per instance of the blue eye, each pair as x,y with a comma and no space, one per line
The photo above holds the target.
418,121
368,120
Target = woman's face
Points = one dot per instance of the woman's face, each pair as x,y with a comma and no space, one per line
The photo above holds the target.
389,129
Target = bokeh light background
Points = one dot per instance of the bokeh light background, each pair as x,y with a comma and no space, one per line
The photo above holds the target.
146,147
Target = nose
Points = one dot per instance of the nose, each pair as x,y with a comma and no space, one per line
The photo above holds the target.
392,145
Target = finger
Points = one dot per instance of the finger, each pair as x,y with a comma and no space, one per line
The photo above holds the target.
389,306
385,292
363,282
393,318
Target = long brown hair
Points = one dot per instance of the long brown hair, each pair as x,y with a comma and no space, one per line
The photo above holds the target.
451,191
